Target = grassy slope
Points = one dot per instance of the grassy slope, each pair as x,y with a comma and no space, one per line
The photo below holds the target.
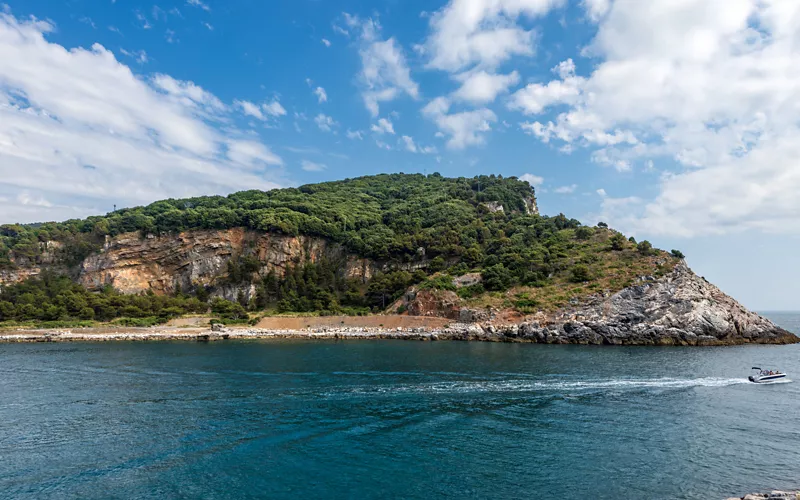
609,270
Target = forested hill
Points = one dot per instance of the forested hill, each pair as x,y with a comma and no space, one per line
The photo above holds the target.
413,230
387,217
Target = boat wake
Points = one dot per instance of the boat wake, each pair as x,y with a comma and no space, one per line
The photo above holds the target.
547,385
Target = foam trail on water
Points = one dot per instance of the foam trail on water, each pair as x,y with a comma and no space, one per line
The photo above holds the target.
549,385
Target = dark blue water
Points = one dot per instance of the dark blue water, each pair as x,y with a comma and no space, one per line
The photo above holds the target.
393,419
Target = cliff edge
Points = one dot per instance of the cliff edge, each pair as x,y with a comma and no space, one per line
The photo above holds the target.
680,308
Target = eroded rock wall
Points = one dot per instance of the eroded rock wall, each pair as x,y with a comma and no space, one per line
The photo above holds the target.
133,264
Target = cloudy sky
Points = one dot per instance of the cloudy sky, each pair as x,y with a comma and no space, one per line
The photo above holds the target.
673,120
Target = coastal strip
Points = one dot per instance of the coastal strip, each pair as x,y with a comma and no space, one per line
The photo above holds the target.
568,333
772,495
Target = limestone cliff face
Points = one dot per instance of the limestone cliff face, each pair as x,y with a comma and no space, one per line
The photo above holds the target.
133,264
25,268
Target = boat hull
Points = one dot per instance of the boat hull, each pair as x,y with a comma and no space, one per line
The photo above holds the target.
766,378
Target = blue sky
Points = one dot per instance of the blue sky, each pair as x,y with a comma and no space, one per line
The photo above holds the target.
672,121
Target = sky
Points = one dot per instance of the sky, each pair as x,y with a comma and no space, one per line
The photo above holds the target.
676,121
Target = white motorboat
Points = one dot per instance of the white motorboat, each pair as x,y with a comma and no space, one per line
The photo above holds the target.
766,376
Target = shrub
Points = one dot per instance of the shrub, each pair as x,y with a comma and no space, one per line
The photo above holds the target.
436,265
580,273
467,292
584,233
441,282
497,277
618,242
459,269
678,254
602,224
644,247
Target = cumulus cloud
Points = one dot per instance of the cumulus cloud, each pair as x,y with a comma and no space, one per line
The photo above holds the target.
566,189
322,96
384,74
354,134
326,42
708,86
464,128
408,143
482,33
325,122
383,126
480,87
533,180
81,132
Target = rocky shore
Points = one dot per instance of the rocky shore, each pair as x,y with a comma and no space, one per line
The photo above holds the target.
773,495
567,333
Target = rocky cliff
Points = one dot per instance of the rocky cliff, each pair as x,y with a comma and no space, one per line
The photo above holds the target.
133,264
680,308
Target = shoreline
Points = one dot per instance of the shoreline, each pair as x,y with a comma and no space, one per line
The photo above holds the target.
468,333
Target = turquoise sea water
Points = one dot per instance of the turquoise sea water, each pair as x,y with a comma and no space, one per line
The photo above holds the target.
394,419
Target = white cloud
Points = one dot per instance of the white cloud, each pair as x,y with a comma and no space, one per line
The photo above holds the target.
480,87
482,32
198,3
464,129
596,9
409,145
79,130
384,71
710,87
139,55
601,192
326,42
325,123
533,180
310,166
566,189
250,109
251,153
145,24
355,134
274,108
383,126
261,112
383,145
208,26
322,96
535,97
408,142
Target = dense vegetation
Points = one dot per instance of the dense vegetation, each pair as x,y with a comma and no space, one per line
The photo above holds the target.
447,227
383,217
52,298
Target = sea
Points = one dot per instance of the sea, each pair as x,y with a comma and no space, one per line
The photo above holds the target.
395,419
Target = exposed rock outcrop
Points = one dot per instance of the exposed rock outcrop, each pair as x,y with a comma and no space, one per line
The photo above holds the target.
680,308
773,495
25,268
133,264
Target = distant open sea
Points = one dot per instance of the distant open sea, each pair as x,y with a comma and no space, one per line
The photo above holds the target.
395,419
